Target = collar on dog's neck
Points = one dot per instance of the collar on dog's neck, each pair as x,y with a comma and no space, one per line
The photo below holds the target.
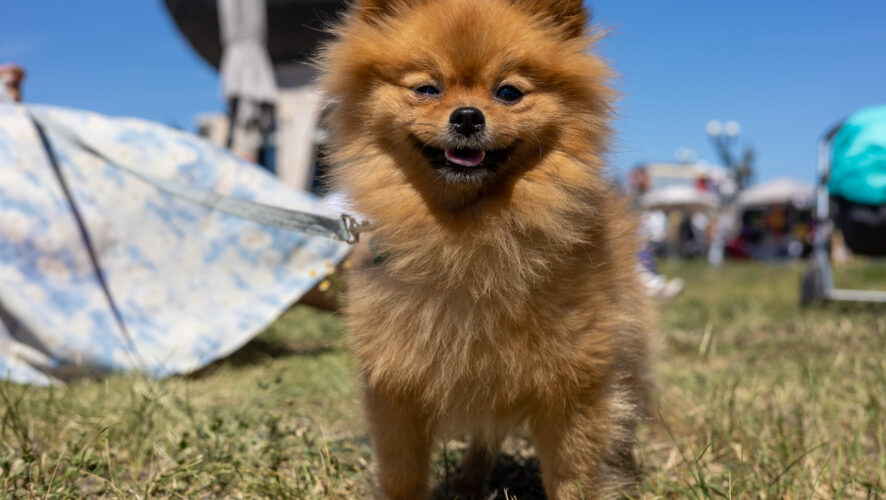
378,255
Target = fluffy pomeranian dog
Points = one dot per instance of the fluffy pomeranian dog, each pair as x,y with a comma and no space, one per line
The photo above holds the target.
501,290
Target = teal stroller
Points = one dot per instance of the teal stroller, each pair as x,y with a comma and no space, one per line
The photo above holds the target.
852,198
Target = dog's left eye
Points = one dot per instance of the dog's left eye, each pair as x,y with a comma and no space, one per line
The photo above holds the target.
508,93
428,90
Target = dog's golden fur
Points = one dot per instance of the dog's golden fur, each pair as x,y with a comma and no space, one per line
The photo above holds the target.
501,301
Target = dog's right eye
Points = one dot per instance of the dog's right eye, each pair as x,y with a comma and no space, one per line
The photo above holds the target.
428,90
509,94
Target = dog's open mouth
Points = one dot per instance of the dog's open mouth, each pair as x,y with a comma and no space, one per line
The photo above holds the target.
463,165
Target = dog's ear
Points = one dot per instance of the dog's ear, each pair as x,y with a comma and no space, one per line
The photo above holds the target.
569,14
373,10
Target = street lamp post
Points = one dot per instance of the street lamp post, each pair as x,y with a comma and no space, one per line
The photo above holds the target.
724,136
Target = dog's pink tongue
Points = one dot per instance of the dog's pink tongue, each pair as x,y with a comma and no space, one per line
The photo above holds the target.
466,157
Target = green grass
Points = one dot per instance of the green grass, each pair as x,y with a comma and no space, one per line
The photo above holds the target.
755,398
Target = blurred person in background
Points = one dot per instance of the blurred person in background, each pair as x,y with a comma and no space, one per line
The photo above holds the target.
248,81
651,229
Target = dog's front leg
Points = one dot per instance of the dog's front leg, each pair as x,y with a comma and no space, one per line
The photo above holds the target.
401,438
583,452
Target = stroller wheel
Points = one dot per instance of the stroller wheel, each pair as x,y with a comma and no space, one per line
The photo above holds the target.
812,287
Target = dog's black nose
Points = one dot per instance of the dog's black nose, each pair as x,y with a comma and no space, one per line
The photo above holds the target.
467,121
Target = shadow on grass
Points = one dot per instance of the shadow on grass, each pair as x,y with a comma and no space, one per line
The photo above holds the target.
519,477
259,351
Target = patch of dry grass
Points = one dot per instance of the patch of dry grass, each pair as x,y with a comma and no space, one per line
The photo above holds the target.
756,398
759,398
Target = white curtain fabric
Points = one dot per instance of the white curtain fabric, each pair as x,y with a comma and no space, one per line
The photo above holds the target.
246,70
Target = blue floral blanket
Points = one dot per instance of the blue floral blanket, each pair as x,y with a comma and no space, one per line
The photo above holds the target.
185,285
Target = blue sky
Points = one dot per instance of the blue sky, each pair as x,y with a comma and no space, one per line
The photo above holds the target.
784,69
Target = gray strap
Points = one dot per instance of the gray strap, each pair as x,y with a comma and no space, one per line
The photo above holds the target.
343,228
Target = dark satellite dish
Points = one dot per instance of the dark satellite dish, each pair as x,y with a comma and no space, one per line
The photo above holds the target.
295,27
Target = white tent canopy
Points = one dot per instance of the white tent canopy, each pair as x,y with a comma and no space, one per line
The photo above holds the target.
780,191
679,197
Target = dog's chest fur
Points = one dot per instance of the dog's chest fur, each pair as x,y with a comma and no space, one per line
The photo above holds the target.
497,334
